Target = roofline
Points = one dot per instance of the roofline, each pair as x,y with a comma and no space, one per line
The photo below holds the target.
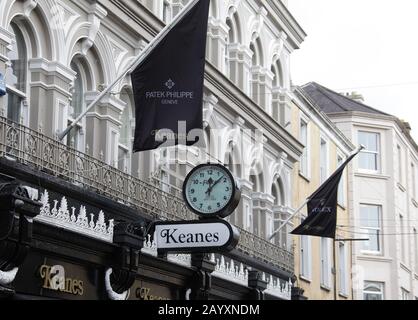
324,117
322,88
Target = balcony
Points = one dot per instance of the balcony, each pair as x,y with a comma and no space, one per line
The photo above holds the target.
34,149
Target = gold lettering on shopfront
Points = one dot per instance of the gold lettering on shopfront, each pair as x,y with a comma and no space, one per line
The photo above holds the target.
145,294
55,279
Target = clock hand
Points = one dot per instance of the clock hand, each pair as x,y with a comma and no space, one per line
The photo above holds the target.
210,181
215,183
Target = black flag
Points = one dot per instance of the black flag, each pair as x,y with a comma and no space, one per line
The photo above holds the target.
322,207
168,85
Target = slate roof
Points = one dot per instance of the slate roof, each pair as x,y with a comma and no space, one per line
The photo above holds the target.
332,102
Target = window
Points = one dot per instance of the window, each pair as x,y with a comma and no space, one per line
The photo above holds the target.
405,294
370,223
341,195
325,263
305,257
229,40
323,161
369,157
413,181
113,149
77,105
373,290
399,166
16,76
343,268
269,227
304,140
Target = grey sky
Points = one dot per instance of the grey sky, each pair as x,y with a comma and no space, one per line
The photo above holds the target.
368,46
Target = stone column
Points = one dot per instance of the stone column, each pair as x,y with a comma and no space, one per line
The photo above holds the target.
262,209
262,87
275,105
240,65
103,126
245,217
49,95
216,48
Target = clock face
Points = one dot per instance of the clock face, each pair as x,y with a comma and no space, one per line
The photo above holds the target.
209,189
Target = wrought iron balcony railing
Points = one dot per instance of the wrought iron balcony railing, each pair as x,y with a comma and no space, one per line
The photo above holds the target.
36,149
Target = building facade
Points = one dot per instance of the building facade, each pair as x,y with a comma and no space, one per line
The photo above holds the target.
323,266
57,56
382,190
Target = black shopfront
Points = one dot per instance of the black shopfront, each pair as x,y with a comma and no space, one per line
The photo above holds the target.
51,261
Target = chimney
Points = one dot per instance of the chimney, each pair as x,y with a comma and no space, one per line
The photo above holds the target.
355,96
407,126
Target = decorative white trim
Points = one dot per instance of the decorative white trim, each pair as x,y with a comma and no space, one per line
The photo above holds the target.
7,277
275,288
112,294
239,274
150,247
61,217
230,271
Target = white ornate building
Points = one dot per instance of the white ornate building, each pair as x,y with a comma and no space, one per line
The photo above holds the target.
58,55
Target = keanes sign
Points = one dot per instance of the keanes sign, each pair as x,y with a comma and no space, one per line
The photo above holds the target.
54,278
196,236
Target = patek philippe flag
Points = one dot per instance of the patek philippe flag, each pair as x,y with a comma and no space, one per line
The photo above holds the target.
168,85
322,207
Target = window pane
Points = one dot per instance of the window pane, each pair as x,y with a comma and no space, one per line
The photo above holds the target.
368,161
369,140
14,106
370,296
370,218
373,290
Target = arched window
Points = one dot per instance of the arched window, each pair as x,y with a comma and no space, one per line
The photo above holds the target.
75,138
230,39
232,67
16,75
256,63
126,132
278,108
277,191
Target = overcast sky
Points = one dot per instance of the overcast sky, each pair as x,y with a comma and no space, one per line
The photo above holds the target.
368,46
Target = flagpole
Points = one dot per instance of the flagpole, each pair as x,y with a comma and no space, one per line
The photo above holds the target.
361,147
288,219
335,269
142,56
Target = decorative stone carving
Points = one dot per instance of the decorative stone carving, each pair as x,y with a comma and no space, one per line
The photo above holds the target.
96,15
28,6
79,223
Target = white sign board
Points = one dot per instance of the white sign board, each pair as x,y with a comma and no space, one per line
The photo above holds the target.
194,236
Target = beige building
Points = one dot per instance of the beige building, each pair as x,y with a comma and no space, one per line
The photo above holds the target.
325,148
